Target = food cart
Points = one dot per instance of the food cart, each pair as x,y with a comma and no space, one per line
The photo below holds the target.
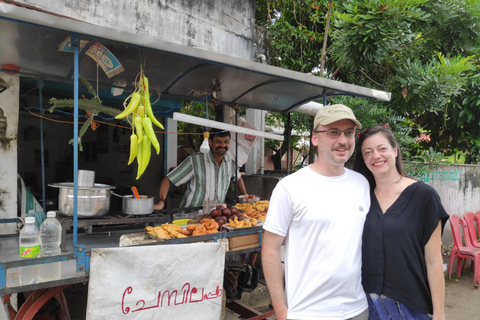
51,49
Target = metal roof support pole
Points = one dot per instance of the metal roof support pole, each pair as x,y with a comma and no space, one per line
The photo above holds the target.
236,157
42,145
288,144
75,46
82,261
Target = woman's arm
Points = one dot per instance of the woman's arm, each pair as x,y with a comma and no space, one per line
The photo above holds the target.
436,278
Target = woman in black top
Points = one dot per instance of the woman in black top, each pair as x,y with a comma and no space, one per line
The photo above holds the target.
402,271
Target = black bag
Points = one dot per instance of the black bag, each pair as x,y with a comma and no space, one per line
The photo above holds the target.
238,278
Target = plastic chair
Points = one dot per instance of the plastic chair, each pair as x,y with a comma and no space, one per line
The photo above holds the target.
463,251
473,224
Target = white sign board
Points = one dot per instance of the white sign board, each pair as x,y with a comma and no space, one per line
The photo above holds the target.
245,142
182,281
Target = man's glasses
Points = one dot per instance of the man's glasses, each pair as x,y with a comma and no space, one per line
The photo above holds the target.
335,133
382,127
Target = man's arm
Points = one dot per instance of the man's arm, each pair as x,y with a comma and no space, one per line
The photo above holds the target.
162,194
272,269
241,186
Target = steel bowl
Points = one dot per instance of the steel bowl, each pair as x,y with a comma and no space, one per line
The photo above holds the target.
248,198
140,206
91,201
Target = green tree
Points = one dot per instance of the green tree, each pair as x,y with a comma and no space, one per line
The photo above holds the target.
296,32
426,54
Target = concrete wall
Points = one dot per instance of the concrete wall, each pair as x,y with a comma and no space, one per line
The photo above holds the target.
216,25
458,187
9,100
225,27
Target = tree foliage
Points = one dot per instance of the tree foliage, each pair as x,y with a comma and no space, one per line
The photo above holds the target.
426,53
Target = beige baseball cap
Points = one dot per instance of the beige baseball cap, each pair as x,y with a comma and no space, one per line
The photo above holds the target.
335,112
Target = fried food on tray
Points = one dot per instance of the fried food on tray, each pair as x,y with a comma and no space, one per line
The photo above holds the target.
185,232
206,226
252,214
239,223
168,231
198,232
244,206
192,227
261,205
158,232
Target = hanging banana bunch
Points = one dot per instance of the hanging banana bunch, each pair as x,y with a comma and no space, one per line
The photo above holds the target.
142,119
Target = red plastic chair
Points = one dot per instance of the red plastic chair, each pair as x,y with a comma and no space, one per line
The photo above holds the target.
463,251
473,224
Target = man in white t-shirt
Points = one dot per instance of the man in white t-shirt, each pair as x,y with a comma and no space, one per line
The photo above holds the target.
318,213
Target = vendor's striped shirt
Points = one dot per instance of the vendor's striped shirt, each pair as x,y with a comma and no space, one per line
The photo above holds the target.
207,180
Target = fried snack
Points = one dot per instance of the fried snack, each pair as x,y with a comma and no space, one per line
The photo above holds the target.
201,227
172,230
198,232
171,227
210,224
236,223
212,231
259,215
205,220
185,232
158,232
244,206
178,234
250,222
192,227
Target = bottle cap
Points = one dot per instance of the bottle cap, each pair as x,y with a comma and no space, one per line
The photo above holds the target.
30,220
51,214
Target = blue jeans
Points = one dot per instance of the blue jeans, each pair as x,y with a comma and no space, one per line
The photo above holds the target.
384,308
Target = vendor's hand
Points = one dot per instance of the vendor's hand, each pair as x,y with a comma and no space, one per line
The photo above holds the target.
159,206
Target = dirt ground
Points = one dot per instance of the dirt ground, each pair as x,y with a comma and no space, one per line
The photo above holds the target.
461,300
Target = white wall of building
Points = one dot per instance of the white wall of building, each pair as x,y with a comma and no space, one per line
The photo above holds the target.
459,190
216,25
9,100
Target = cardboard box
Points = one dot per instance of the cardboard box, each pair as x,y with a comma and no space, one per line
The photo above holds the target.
243,242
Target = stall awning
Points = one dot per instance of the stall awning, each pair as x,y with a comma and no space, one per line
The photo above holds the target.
176,72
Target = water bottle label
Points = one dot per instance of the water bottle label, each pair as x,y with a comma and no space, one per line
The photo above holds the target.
29,252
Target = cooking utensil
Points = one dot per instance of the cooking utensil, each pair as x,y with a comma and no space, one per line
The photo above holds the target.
86,178
91,201
141,206
248,198
135,192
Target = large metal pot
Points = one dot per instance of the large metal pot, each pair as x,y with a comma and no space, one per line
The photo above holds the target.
91,201
140,206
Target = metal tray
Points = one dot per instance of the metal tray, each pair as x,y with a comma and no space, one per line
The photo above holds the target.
228,228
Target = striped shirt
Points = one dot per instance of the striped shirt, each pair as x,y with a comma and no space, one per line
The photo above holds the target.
207,180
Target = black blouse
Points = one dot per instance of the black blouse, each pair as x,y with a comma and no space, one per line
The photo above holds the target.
393,246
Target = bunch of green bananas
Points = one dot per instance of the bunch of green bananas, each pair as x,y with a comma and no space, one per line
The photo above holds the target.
143,136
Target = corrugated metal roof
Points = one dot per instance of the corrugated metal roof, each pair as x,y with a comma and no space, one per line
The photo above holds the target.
175,71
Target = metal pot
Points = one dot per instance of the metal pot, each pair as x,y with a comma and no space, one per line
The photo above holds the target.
140,206
91,201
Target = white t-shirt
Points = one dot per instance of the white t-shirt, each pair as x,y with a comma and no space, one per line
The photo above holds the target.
322,221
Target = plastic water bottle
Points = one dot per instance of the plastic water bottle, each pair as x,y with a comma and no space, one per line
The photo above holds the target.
50,237
29,249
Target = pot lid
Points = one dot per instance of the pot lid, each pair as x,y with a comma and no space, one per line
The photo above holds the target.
69,185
